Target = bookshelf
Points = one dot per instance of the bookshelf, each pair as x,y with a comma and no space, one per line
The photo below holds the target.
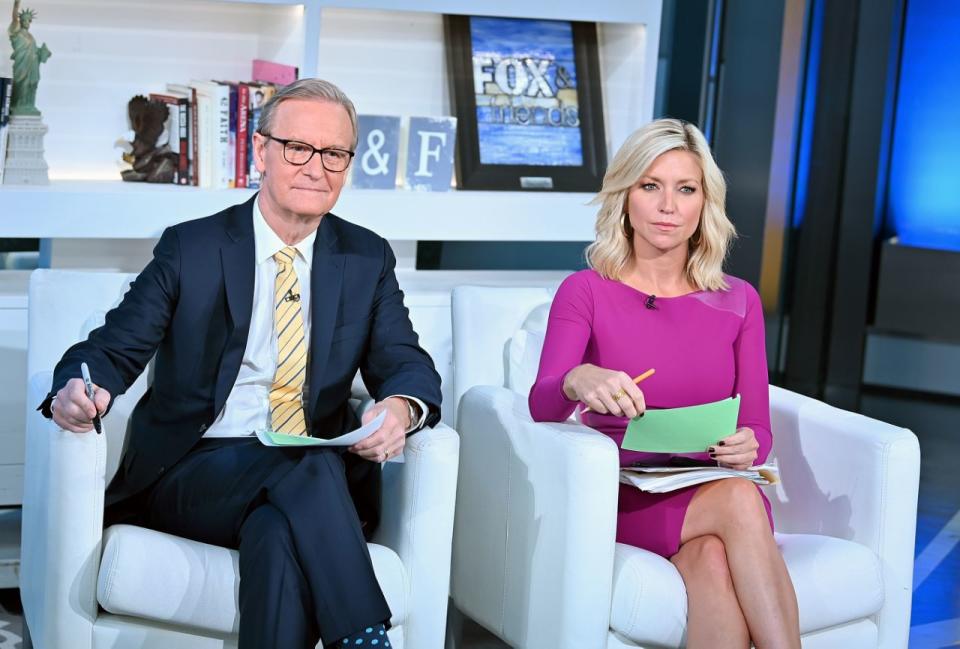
387,55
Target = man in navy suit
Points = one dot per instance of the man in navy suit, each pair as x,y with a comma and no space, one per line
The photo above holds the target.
260,316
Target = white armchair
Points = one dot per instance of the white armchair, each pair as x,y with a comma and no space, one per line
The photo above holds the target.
86,588
535,559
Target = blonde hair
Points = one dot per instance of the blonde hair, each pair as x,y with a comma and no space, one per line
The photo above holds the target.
612,250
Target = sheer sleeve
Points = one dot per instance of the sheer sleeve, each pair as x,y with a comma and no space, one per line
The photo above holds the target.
752,382
568,332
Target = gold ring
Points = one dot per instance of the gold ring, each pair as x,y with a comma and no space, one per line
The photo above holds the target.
619,394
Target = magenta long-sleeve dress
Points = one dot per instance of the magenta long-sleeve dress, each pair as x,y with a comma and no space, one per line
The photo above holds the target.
705,346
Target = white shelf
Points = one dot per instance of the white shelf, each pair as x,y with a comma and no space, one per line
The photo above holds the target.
118,210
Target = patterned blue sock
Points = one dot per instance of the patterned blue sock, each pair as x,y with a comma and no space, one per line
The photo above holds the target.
367,638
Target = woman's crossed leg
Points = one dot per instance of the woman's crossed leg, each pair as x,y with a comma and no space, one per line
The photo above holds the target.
735,576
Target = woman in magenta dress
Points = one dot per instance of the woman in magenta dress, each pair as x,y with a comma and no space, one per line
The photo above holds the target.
655,296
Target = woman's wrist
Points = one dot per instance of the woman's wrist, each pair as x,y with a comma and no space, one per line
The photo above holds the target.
566,386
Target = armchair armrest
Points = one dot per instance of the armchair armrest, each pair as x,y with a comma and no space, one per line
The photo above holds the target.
64,483
535,526
417,523
852,477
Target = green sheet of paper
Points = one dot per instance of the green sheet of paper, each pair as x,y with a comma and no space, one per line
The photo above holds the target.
282,439
683,430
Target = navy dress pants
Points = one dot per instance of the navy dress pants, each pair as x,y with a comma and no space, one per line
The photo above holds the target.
305,571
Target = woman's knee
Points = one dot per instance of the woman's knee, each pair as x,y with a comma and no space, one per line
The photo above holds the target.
742,505
703,558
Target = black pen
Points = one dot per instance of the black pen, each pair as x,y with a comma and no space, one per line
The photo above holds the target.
87,381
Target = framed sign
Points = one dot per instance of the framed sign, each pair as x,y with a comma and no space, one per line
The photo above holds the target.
527,98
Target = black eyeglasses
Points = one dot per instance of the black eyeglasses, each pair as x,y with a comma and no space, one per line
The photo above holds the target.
300,153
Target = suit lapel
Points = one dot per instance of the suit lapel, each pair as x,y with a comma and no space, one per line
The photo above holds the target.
326,282
238,264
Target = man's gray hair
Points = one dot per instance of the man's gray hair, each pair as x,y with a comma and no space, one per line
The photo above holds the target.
317,89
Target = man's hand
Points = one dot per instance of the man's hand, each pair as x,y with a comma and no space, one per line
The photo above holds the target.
388,440
73,411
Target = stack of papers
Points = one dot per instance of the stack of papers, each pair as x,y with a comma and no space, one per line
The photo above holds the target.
661,479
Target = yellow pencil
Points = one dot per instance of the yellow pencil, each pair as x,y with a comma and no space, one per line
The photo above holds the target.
637,379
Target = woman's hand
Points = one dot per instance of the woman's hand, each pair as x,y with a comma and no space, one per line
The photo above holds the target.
739,451
605,391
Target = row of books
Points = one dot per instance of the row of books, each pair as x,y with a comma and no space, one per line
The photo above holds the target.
210,126
6,94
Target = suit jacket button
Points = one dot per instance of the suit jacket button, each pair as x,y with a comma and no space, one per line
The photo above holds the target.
162,470
203,428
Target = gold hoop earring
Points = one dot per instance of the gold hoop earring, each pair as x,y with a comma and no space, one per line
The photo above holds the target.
625,225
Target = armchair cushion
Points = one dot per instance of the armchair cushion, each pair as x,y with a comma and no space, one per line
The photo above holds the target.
165,578
837,581
523,353
649,601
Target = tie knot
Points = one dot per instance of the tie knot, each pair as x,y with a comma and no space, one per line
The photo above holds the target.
286,256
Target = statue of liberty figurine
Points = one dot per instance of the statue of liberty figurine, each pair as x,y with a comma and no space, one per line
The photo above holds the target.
24,164
27,58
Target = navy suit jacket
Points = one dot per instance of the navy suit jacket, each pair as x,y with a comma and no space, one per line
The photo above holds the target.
191,307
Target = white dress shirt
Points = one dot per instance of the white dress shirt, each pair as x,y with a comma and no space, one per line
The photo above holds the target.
247,408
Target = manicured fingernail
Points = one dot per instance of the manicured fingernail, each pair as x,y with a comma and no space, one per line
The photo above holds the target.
713,456
721,443
712,449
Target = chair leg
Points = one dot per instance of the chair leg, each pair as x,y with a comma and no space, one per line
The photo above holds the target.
454,627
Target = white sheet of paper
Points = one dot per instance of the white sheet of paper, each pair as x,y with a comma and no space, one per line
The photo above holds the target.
347,439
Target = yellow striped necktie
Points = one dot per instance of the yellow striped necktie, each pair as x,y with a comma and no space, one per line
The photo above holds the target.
286,394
